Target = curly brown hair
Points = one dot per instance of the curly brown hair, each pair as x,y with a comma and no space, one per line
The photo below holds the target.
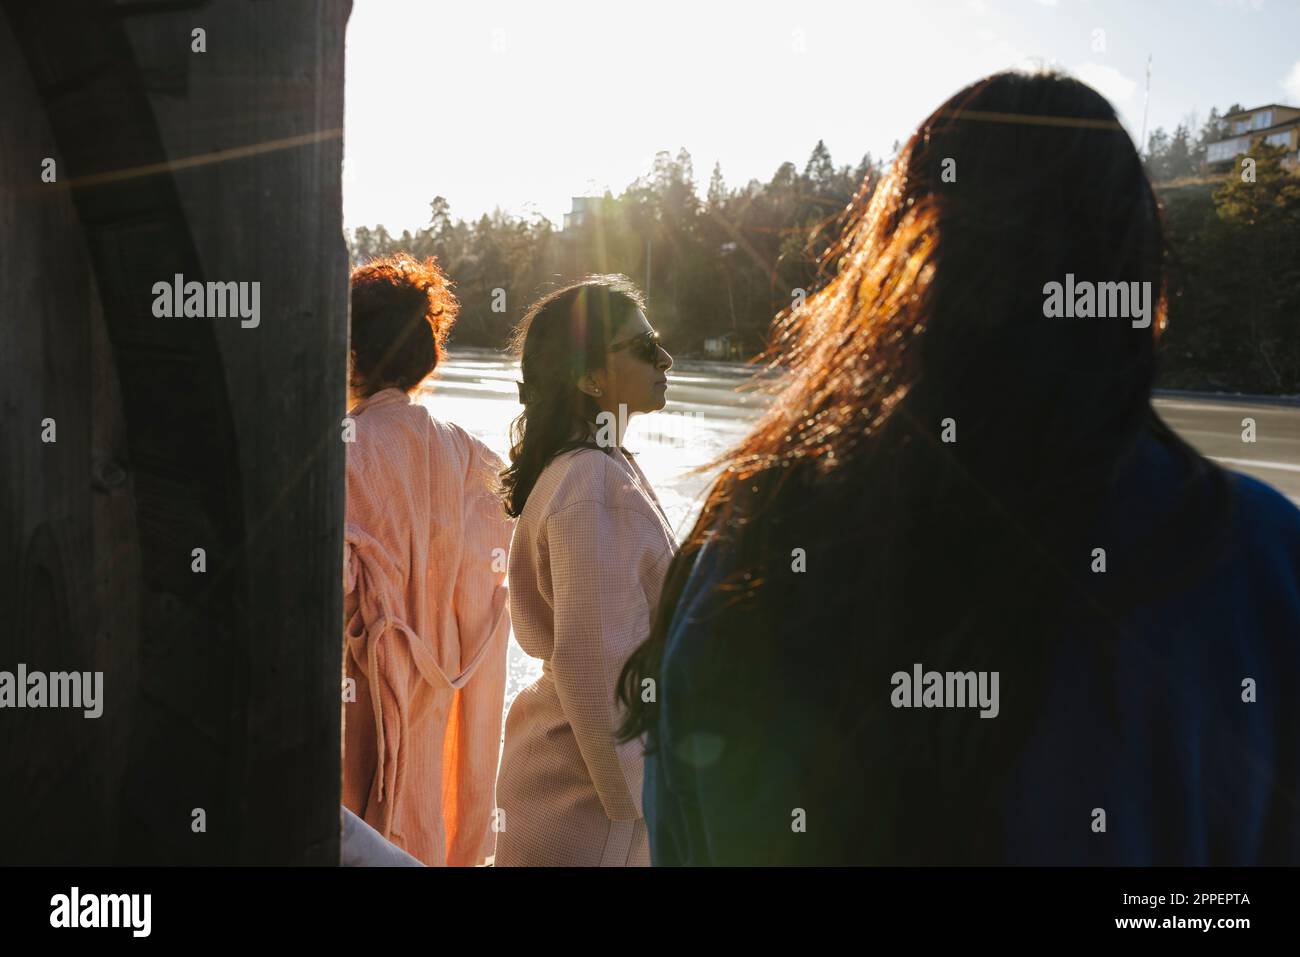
402,311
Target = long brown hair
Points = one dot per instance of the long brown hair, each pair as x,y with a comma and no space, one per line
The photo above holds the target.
563,336
933,328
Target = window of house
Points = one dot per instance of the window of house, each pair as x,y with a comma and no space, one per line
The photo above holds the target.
1226,150
1262,120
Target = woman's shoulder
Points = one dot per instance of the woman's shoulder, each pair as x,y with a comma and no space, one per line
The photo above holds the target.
1266,525
1266,510
380,428
385,420
392,427
585,475
470,450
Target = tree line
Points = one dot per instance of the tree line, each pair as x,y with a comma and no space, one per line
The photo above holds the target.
720,267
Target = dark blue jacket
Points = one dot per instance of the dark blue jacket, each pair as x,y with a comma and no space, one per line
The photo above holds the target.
1155,732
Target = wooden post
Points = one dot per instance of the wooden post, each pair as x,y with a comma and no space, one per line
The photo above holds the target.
217,160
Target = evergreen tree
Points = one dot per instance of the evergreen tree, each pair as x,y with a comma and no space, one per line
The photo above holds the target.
717,187
819,171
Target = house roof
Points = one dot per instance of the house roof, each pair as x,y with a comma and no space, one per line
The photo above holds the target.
1256,109
1275,128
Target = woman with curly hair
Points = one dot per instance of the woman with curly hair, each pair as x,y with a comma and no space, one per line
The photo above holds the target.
425,604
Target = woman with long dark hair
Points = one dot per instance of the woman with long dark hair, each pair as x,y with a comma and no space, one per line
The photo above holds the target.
961,596
586,563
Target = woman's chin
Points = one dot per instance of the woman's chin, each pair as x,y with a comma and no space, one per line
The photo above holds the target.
653,404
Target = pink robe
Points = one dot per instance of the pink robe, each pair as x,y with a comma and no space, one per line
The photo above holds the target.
427,622
586,565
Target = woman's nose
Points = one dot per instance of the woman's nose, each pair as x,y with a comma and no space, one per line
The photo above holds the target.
665,360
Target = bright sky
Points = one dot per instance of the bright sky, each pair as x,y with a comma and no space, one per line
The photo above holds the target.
523,104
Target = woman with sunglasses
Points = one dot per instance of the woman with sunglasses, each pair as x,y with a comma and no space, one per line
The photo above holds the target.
586,563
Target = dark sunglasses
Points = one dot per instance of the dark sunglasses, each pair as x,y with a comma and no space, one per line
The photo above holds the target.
645,346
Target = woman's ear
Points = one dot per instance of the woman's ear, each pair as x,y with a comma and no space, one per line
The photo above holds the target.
592,384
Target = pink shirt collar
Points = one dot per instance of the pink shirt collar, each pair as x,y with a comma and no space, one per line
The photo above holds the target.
389,396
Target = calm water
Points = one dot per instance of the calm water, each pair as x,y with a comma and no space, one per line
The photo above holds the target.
705,415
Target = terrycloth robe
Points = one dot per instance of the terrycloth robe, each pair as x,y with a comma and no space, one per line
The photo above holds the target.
586,565
427,621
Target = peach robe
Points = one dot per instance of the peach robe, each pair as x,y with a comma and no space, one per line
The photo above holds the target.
427,621
586,565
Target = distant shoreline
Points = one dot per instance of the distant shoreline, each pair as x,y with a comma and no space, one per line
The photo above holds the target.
1239,398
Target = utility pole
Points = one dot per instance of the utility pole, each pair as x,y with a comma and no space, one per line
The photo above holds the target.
1146,101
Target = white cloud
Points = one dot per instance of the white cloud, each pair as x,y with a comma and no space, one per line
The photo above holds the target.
1291,83
1107,81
